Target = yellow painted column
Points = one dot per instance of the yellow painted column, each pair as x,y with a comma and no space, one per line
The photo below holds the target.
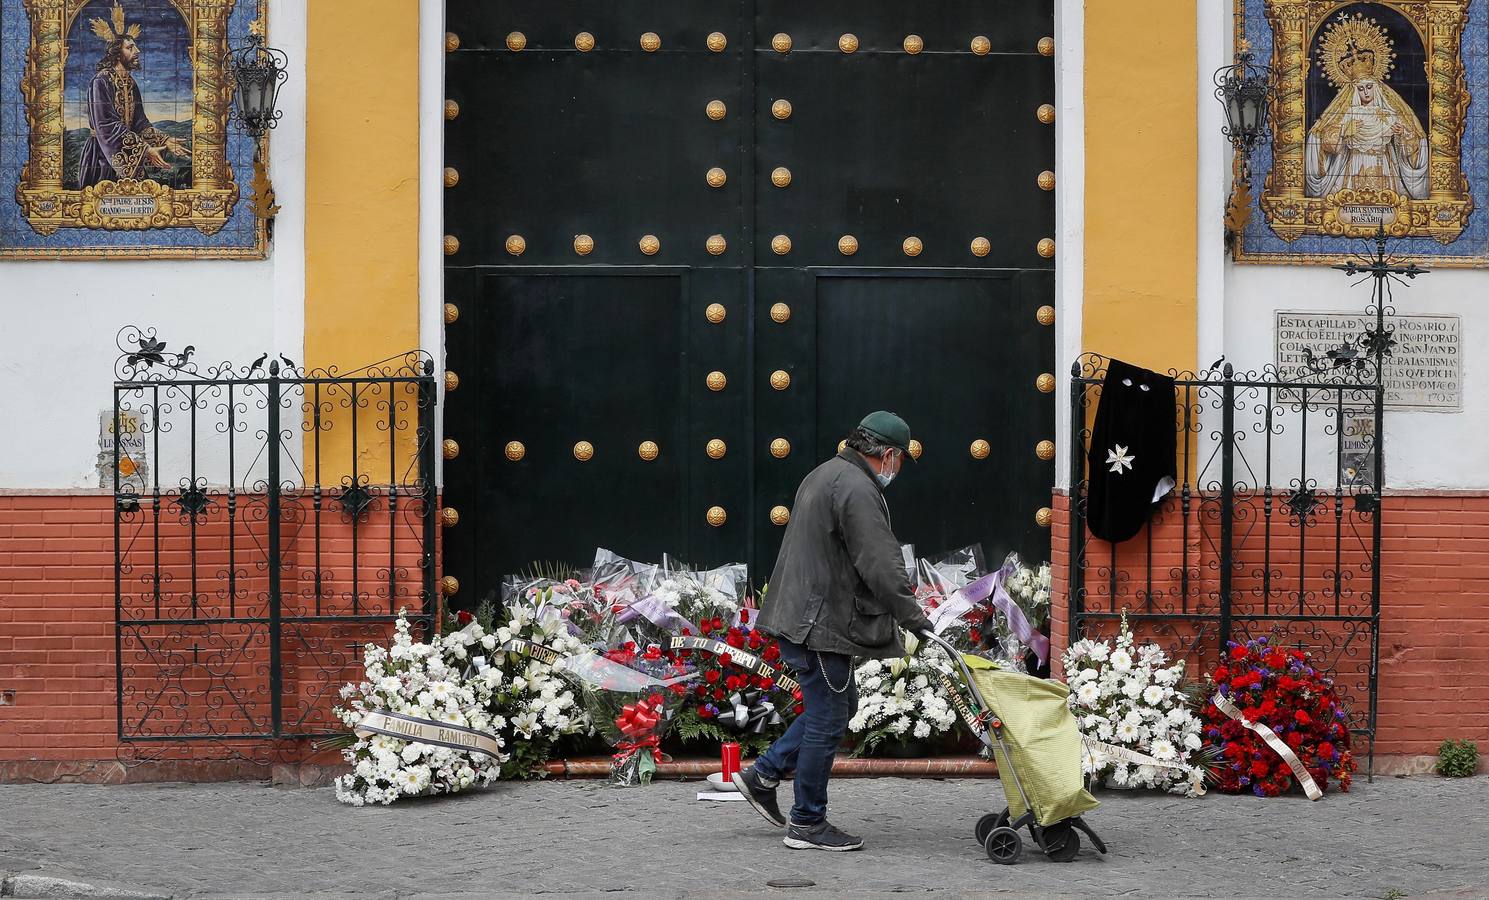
1141,170
362,202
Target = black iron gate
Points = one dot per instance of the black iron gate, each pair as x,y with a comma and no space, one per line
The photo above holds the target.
691,244
1274,528
268,521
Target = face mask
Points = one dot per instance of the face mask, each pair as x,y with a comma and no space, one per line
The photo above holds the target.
889,471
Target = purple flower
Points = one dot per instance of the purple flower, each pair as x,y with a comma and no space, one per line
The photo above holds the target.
1257,790
1244,781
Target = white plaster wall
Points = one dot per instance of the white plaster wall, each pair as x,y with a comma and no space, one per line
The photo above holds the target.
1445,450
57,369
1424,450
431,198
1070,214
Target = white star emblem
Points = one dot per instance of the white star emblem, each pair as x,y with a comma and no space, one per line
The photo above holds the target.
1118,458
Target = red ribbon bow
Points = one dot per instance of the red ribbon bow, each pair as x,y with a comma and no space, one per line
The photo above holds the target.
637,719
626,749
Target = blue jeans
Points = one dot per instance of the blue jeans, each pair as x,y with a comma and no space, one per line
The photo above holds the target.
809,744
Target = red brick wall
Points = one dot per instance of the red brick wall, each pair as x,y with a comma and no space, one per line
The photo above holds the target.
1434,632
57,633
57,622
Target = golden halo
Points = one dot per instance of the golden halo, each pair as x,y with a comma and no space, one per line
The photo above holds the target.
1355,48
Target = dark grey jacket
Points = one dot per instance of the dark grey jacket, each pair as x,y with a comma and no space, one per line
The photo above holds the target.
839,584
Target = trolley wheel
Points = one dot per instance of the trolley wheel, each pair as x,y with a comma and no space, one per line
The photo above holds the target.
1003,845
1067,851
988,822
1053,837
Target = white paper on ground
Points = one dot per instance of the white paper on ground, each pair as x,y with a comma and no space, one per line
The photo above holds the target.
719,795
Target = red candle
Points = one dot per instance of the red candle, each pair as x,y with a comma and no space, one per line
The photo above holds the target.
730,759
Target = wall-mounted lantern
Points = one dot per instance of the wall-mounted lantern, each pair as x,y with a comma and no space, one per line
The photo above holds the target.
258,71
1244,90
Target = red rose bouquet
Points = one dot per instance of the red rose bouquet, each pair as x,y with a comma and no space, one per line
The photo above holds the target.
1283,690
738,695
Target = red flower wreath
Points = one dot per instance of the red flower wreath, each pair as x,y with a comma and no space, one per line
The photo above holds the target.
1284,691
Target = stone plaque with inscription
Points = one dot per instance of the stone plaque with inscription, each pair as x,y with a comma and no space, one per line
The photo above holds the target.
1423,372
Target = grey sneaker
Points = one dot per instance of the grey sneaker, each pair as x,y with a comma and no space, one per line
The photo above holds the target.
761,797
820,836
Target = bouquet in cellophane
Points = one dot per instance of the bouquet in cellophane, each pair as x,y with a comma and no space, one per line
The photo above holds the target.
652,603
995,615
1014,633
631,699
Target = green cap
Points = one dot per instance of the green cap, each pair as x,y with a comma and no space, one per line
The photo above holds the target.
889,428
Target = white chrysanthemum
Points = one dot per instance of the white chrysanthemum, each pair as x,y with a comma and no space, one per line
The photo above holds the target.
1132,687
1164,750
1192,741
1088,693
1153,695
1104,731
1121,661
1127,732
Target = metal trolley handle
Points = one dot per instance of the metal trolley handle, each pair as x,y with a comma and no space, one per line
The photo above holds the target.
993,733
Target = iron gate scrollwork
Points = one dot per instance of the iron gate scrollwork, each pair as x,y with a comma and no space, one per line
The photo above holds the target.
268,520
1273,530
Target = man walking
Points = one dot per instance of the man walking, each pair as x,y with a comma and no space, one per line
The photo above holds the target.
839,591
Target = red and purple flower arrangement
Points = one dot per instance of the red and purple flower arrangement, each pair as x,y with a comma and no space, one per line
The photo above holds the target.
1284,690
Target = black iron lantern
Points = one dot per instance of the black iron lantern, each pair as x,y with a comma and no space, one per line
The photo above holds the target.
1244,90
258,71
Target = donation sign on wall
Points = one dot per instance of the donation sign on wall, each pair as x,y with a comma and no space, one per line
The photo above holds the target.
1424,369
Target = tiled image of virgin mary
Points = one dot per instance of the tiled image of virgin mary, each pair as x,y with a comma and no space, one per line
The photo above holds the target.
128,89
1368,136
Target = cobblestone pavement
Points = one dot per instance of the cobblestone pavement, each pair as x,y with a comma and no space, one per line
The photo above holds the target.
1412,837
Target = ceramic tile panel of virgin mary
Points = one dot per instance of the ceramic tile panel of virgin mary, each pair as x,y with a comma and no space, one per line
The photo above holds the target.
1377,121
